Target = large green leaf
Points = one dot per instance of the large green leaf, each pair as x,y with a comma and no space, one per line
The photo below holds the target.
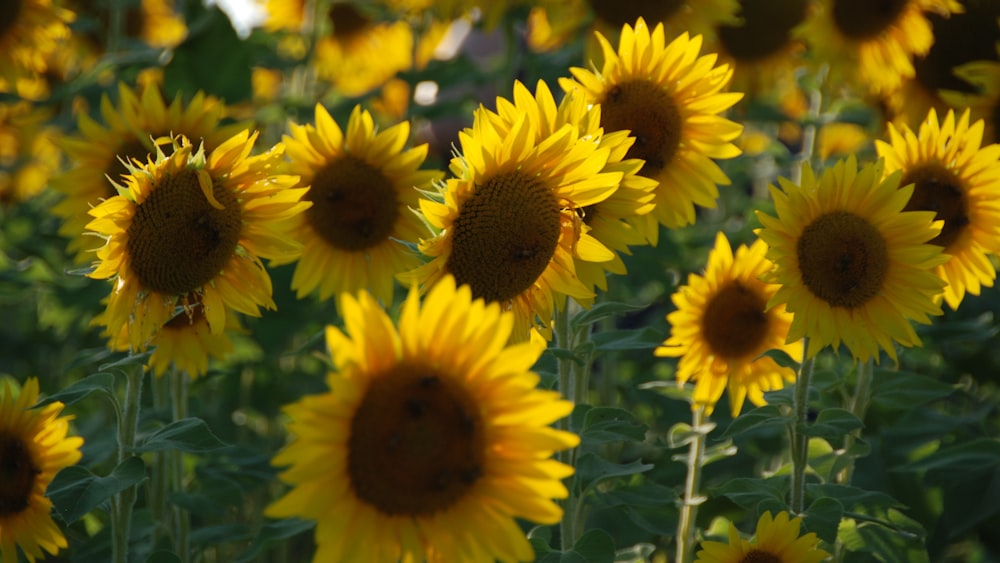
102,381
592,469
900,390
954,461
186,435
76,491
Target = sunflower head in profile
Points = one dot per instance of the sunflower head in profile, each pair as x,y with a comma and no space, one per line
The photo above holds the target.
100,151
957,178
871,45
722,326
853,265
187,233
777,541
669,97
362,185
508,224
33,448
432,438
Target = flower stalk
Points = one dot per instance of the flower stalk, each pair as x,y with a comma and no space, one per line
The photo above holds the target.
798,439
123,502
692,483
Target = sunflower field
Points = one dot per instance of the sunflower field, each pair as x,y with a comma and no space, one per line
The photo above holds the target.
565,281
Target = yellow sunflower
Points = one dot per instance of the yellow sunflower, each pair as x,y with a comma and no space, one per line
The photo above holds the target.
363,186
190,228
29,152
854,267
872,45
722,326
30,31
98,150
432,439
777,541
668,97
33,448
508,223
958,179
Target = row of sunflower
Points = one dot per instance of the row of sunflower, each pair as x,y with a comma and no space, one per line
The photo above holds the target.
514,405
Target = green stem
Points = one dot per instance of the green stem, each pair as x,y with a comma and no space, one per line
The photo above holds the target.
160,477
116,24
799,441
122,503
179,383
858,405
565,368
689,507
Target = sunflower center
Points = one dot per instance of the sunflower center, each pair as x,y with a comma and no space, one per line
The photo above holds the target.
177,240
766,28
354,205
348,22
652,115
865,19
17,475
843,259
937,189
10,11
621,12
504,236
734,323
958,39
417,442
758,556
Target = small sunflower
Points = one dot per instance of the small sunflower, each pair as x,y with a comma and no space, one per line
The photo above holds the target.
777,541
722,326
33,448
98,151
362,186
190,229
872,44
30,31
432,439
854,267
668,97
958,179
508,224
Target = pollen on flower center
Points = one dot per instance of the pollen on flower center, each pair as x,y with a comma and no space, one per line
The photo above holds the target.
937,189
843,259
417,442
17,475
621,12
504,236
178,240
758,556
9,15
354,205
765,29
651,114
865,19
734,323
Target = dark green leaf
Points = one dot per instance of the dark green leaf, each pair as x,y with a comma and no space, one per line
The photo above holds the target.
592,469
76,491
225,74
823,517
601,311
898,390
272,532
186,435
221,533
102,381
751,492
954,461
637,552
608,424
760,417
853,498
162,556
127,361
782,358
595,546
833,424
645,338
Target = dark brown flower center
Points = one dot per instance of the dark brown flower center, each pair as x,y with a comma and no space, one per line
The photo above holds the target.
654,119
758,556
348,22
959,38
765,30
621,12
937,189
417,442
17,475
354,206
10,11
504,236
866,19
734,323
843,259
178,240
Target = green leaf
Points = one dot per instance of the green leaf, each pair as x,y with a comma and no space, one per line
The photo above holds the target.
102,381
221,533
899,390
540,538
127,361
823,517
602,311
885,543
833,424
76,491
955,461
162,556
595,546
225,74
760,417
636,553
853,498
750,492
273,532
592,469
186,435
609,424
645,338
782,358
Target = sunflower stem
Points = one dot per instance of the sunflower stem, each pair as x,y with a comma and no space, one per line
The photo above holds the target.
179,382
798,438
116,24
689,508
858,405
160,478
123,502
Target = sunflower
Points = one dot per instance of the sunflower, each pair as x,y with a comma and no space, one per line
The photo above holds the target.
958,179
127,134
33,448
722,327
431,440
872,45
668,97
777,541
30,31
190,229
854,267
508,223
29,152
362,186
